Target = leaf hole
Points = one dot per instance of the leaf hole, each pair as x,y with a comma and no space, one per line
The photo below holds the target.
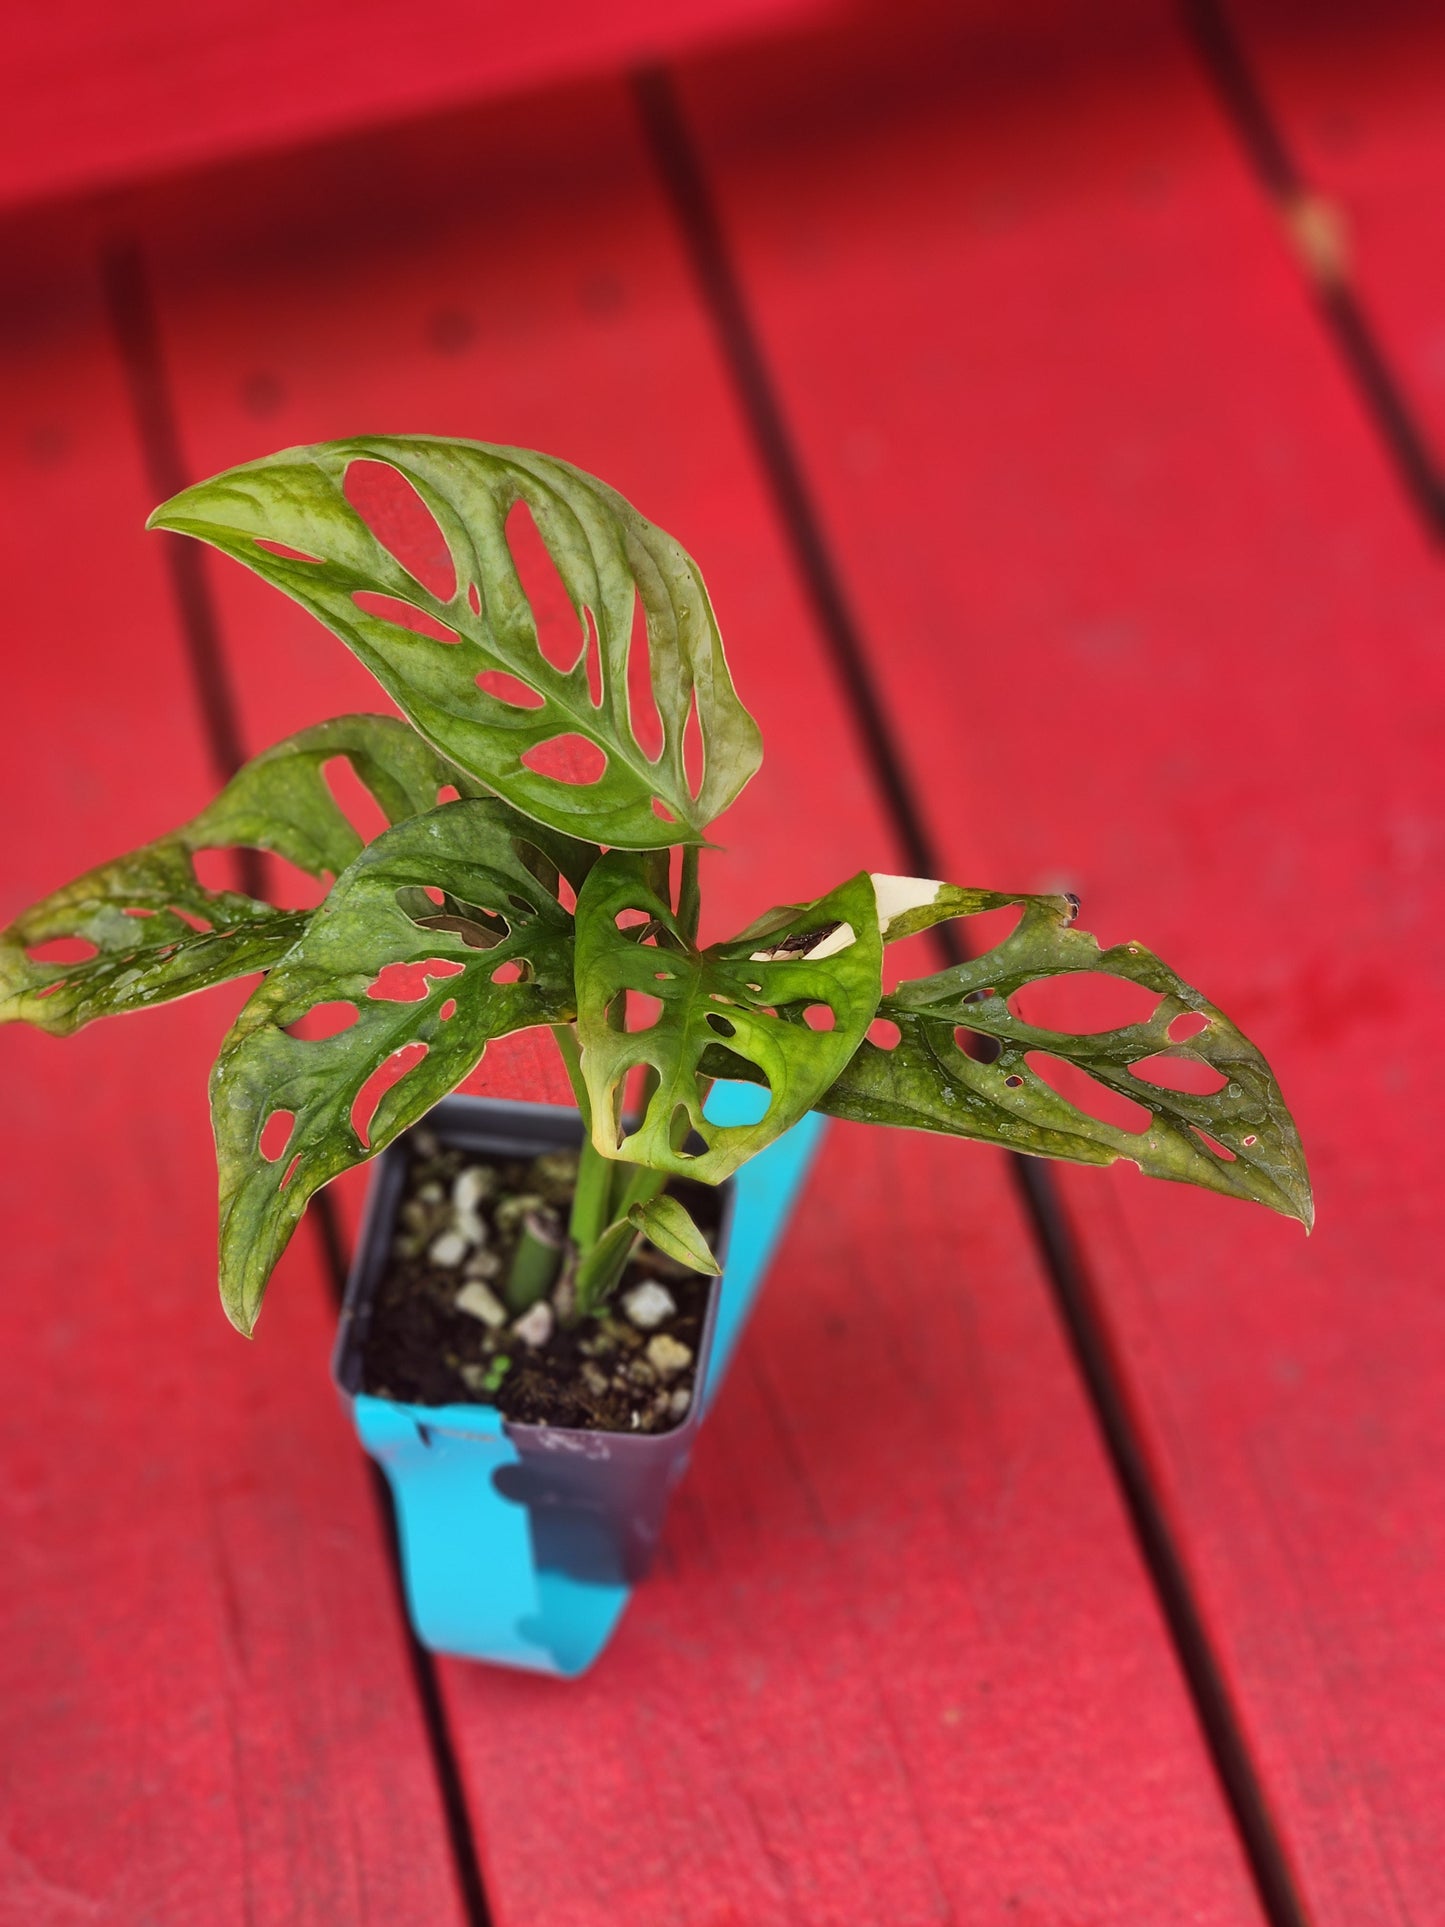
63,950
290,1171
407,982
641,701
282,549
820,1017
661,811
1189,1074
644,1011
1213,1144
561,634
449,793
405,615
448,1010
1187,1024
977,1045
884,1033
137,910
1088,1095
571,759
694,757
632,918
401,521
323,1021
201,925
721,1025
474,598
1084,1002
510,690
516,970
276,1135
595,683
680,1137
388,1073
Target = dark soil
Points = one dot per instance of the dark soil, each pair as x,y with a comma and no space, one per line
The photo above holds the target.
601,1374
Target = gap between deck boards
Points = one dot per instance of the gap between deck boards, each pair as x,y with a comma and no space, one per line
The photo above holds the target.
131,314
1235,85
684,179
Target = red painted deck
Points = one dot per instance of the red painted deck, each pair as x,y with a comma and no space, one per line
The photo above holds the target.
975,346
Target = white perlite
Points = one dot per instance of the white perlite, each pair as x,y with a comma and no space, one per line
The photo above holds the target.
667,1356
448,1250
470,1188
478,1302
646,1306
534,1327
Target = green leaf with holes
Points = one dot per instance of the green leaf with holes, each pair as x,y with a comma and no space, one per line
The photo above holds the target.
152,929
826,954
610,560
927,1081
422,990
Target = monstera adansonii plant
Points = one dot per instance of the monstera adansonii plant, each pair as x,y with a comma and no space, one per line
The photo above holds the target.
539,870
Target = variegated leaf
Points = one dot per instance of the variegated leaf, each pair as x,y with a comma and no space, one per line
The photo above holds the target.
823,957
444,933
152,931
288,518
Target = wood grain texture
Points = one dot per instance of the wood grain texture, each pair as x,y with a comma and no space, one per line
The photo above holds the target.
900,1660
95,93
1154,622
206,1712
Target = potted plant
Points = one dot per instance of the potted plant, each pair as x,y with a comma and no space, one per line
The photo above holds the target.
534,1321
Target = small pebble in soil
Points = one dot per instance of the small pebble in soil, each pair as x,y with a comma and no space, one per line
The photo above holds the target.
483,1264
477,1302
649,1306
555,1175
680,1402
667,1356
448,1250
510,1212
471,1187
534,1327
430,1193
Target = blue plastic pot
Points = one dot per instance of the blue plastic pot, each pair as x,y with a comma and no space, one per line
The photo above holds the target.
521,1544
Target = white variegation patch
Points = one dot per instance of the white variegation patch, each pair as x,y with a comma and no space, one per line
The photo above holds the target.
898,895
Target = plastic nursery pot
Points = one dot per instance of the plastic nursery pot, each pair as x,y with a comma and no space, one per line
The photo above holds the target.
521,1543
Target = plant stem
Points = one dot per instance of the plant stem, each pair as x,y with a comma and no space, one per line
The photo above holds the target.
590,1201
535,1264
599,1272
633,1184
571,1053
689,892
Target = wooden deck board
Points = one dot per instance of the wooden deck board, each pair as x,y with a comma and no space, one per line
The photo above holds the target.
901,1658
206,1711
1154,620
1355,94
